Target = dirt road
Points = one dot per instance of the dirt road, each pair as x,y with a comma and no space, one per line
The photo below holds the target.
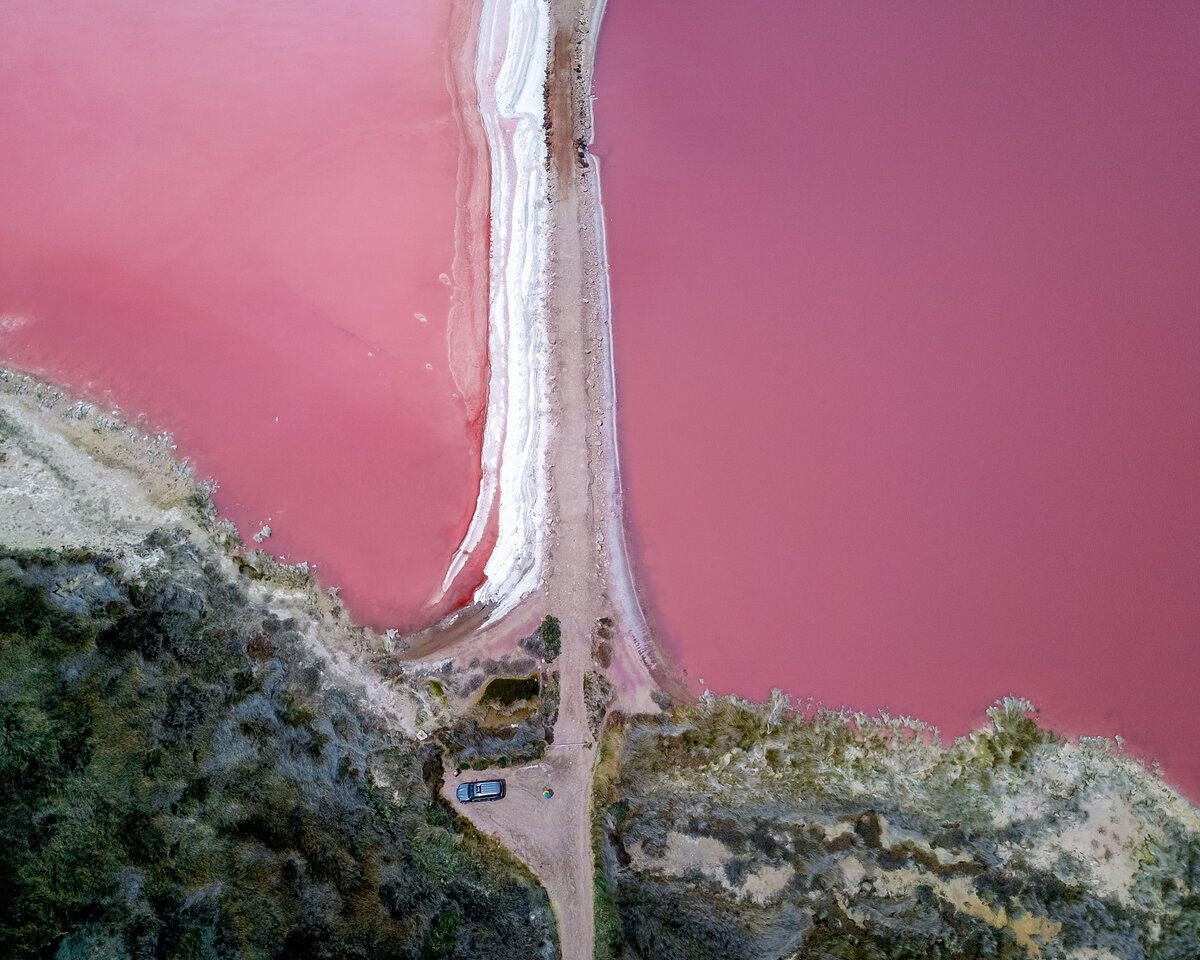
552,836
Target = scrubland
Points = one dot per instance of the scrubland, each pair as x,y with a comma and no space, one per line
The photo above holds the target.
738,830
180,778
197,760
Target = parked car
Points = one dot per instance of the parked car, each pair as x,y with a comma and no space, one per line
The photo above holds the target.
480,790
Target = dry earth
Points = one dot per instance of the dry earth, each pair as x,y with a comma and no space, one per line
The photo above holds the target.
74,474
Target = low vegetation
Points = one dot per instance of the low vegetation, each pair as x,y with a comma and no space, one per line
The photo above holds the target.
179,780
607,941
546,641
511,723
737,830
598,695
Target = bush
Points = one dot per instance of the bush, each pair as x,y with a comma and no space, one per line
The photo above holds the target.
546,641
211,804
551,634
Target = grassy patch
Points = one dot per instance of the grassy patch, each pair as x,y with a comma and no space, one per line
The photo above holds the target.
607,918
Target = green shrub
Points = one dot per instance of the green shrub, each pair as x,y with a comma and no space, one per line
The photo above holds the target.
156,801
551,634
442,934
546,641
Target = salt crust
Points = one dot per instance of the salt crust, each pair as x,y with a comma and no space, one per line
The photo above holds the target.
514,49
512,57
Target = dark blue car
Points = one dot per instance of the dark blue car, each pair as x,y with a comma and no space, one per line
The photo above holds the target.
480,790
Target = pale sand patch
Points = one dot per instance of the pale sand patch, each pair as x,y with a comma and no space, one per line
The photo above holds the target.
1031,931
708,856
1108,835
768,882
1111,833
853,872
74,474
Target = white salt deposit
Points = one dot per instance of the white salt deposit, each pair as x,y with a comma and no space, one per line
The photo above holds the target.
514,48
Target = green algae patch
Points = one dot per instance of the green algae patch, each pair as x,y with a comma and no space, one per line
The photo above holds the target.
506,691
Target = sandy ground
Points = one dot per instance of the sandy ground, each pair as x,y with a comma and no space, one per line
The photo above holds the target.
74,474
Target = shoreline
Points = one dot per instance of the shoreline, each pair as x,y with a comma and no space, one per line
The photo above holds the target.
513,37
85,444
467,319
620,566
640,658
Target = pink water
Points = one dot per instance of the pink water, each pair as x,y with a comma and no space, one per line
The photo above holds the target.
907,313
227,216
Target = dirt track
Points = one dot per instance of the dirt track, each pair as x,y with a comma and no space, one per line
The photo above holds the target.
552,836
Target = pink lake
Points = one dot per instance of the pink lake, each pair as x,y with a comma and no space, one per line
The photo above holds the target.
238,219
907,319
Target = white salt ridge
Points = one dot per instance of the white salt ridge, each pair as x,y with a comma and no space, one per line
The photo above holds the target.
510,73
